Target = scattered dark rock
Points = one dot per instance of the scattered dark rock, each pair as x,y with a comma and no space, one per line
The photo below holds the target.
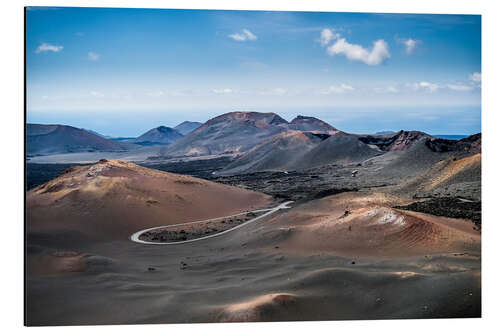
470,145
54,188
332,191
450,207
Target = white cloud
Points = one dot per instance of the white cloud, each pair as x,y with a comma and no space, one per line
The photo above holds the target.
45,47
249,35
222,91
476,77
459,87
238,37
354,52
424,85
245,35
410,44
338,89
93,56
432,87
327,35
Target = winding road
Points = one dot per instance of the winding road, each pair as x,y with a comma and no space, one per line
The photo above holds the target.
269,211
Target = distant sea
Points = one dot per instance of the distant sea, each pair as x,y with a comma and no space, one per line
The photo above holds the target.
450,137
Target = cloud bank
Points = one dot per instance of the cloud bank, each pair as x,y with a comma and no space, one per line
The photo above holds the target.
475,77
377,55
459,87
337,89
410,45
222,91
93,56
244,36
45,47
424,85
327,35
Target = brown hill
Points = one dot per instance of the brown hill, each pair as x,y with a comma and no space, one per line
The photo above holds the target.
53,139
161,135
365,225
297,150
304,123
450,176
113,199
233,132
187,127
340,148
402,140
238,132
451,170
280,152
466,146
423,161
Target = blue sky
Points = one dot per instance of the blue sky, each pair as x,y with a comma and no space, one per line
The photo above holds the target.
124,71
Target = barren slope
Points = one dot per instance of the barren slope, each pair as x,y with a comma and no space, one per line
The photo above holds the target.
113,199
232,132
161,135
280,152
304,123
51,139
364,225
449,176
306,264
340,148
187,127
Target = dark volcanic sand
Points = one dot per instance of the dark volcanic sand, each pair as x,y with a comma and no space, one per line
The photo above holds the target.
199,282
196,230
260,273
314,262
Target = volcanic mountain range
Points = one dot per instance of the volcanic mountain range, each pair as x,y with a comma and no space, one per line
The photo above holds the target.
255,142
238,132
